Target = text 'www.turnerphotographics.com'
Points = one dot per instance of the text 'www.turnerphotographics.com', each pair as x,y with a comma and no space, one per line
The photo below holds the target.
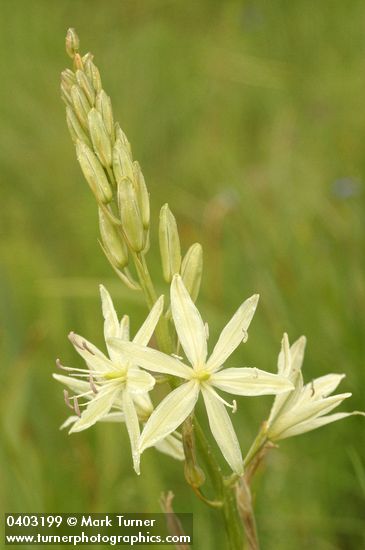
109,529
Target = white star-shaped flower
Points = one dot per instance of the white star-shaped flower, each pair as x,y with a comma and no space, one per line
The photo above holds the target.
204,375
305,408
114,380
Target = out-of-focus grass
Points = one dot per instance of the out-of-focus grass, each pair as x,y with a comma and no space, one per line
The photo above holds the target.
248,118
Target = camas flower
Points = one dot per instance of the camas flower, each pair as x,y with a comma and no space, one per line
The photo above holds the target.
112,380
204,375
305,408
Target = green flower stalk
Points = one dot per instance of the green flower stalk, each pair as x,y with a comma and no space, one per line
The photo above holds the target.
116,387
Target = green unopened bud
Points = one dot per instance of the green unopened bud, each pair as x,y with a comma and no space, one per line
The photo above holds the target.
169,244
93,74
65,95
87,57
113,241
72,43
122,162
78,64
86,86
104,106
130,214
68,79
80,104
119,134
100,138
192,269
94,173
142,194
75,128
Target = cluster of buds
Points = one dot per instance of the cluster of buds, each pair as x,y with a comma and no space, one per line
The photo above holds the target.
105,158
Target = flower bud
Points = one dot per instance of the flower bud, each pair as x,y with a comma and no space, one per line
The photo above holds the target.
94,173
78,64
113,241
85,86
68,79
142,195
80,104
192,269
65,95
122,162
169,244
72,43
75,128
93,74
130,214
100,138
104,106
119,134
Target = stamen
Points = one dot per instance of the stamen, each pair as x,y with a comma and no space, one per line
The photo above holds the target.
67,399
212,390
234,409
313,391
76,406
92,385
245,336
86,347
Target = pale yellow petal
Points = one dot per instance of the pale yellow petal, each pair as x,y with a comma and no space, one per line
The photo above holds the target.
96,409
144,334
247,381
151,359
315,423
223,431
131,420
233,333
170,413
139,381
188,323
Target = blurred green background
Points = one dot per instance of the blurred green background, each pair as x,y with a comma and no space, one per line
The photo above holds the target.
249,119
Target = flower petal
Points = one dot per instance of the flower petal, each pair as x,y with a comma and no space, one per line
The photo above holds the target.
111,323
124,328
144,334
143,405
320,387
131,420
113,417
223,431
188,323
96,409
233,333
70,420
75,384
304,412
151,359
246,381
139,381
171,446
315,423
170,413
94,358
